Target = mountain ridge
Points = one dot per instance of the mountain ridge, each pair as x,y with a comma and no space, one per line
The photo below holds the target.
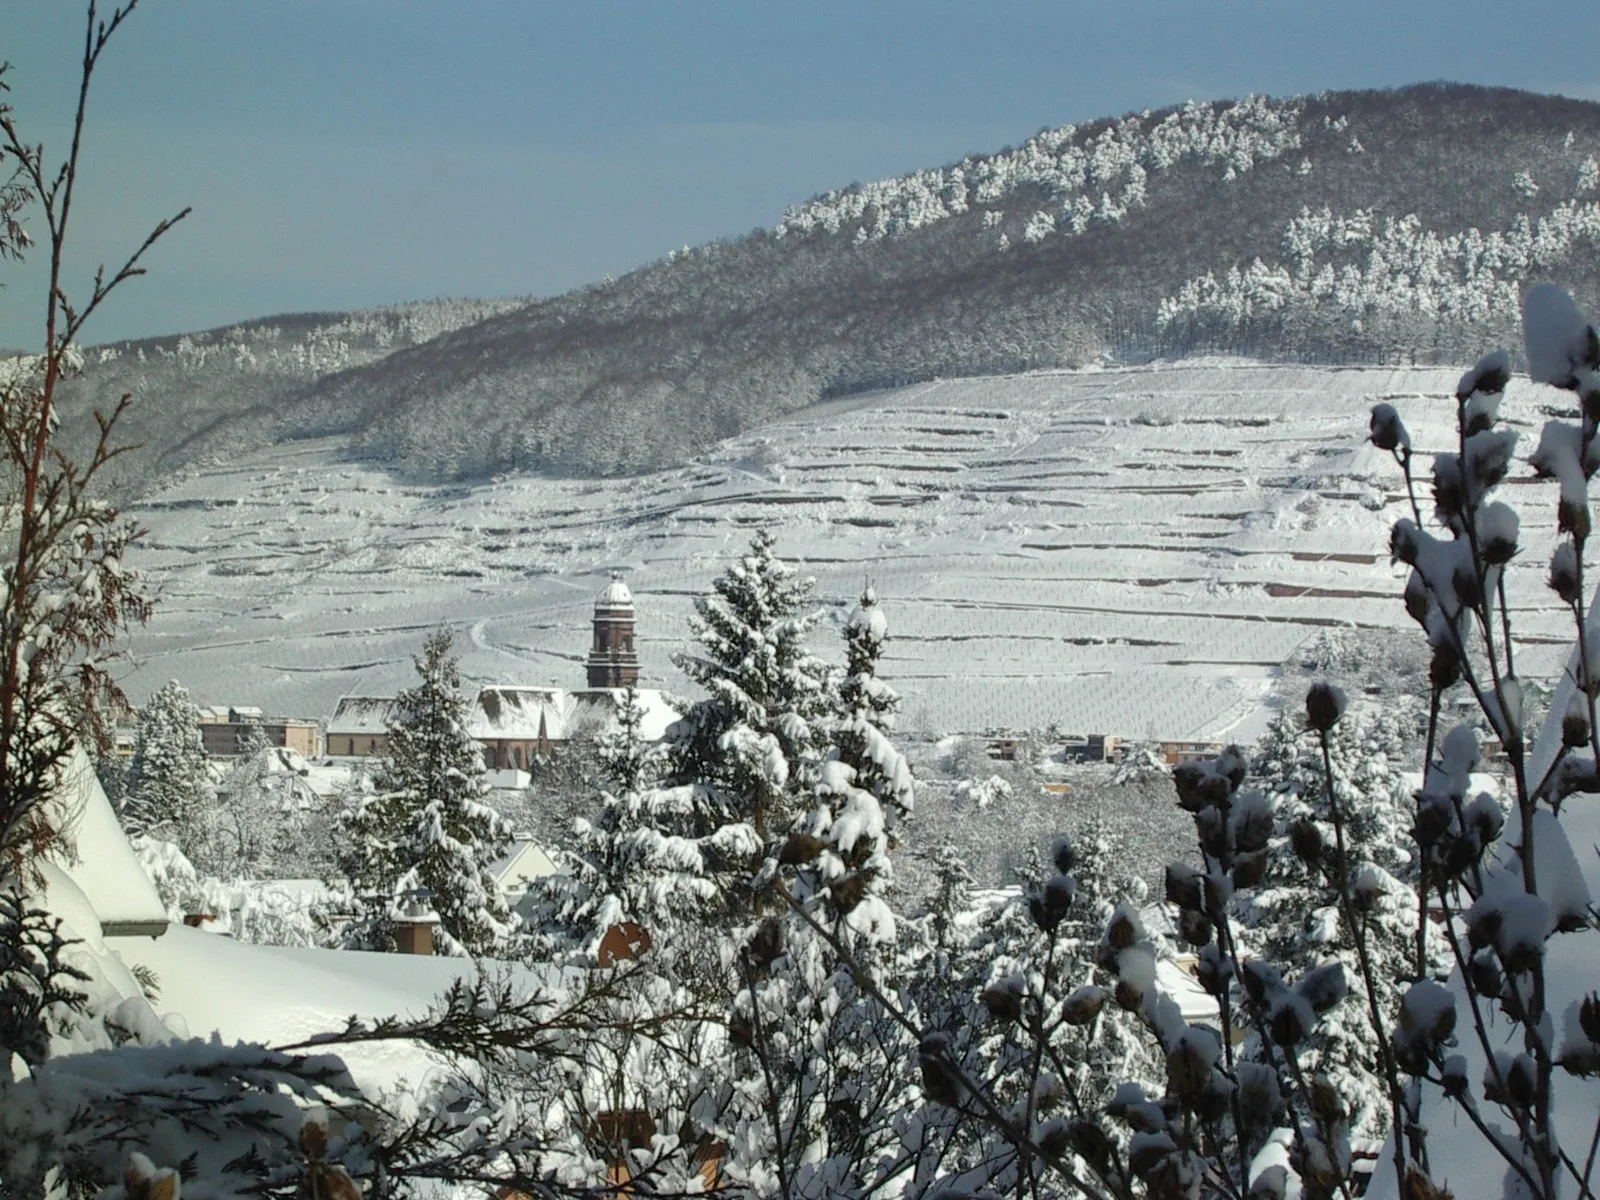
1341,227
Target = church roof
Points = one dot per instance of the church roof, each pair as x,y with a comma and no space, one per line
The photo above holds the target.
615,595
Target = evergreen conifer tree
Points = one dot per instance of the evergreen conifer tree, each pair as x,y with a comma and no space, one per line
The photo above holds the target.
169,793
746,753
426,833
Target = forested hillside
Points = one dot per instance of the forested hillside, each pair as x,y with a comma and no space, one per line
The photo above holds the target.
1346,227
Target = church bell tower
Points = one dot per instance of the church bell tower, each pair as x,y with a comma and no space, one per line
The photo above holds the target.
613,661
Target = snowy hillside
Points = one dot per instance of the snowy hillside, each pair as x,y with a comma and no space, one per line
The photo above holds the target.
1122,551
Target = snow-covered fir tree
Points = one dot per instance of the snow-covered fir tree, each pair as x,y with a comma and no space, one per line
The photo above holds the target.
425,836
746,752
1293,915
169,793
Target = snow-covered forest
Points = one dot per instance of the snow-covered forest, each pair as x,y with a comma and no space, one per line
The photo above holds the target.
790,948
1311,229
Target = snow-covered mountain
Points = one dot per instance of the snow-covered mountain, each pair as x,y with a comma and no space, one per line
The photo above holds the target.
1345,227
1127,551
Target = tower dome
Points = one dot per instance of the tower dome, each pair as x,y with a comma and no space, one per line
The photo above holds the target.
615,595
613,661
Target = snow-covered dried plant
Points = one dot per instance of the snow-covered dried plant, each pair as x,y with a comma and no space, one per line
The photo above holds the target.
1512,895
64,592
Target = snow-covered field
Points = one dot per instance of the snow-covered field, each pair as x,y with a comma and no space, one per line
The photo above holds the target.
1127,551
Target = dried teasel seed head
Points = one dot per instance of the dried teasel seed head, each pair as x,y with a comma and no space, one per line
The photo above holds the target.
1325,704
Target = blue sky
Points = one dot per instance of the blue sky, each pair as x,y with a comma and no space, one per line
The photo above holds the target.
345,153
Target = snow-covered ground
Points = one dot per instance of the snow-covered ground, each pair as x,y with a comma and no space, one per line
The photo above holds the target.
1128,551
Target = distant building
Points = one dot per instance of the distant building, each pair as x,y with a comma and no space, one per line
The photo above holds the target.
234,732
613,660
1181,752
517,724
359,727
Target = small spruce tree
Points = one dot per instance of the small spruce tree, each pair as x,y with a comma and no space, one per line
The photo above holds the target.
426,832
169,793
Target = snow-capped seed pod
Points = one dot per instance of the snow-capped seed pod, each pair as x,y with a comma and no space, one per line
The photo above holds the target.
1231,765
1306,840
337,1184
1194,928
1467,586
136,1176
1386,430
1260,1097
1483,923
1575,722
1125,1097
1249,869
1124,928
1147,1151
1572,516
1271,1183
1444,668
1326,1103
1048,1092
1564,572
1128,997
799,848
1213,969
1435,816
1325,987
314,1133
1405,540
1252,819
1525,924
1589,1017
765,944
1410,1052
1091,1143
1428,1010
1212,831
1041,915
1367,887
1498,530
1460,853
1453,1076
940,1083
1448,495
1417,598
1052,1138
1485,818
1058,893
1290,1019
1064,855
1183,886
1488,376
847,894
1003,999
1218,891
1261,981
1522,1081
1083,1005
1484,976
1489,454
1325,704
1558,340
1188,1066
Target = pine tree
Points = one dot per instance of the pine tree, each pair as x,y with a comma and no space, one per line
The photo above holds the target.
426,831
747,751
169,793
1293,915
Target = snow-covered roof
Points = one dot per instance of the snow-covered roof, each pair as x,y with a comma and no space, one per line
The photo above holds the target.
526,860
599,704
104,866
615,594
508,712
362,715
279,994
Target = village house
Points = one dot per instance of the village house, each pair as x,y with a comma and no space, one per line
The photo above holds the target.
237,730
